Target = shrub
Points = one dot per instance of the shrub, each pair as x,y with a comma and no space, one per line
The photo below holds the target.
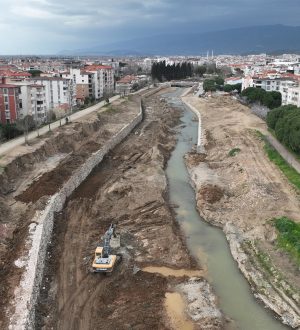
233,152
288,236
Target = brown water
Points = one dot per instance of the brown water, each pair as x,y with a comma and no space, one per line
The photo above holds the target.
165,271
175,307
208,244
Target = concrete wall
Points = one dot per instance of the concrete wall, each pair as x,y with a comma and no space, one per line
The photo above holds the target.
27,293
200,147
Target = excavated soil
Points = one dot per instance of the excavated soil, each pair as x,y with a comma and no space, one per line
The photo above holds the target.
128,189
210,193
39,170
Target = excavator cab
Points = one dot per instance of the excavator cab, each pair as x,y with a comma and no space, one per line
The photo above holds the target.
104,262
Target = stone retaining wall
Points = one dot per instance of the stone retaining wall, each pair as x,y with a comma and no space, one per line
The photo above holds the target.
41,231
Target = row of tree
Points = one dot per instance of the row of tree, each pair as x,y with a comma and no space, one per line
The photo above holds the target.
217,83
165,72
27,124
258,95
211,85
285,121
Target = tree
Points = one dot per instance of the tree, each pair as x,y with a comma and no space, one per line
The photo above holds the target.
199,70
273,116
268,99
211,68
219,81
162,72
26,124
10,131
285,121
51,115
35,73
272,99
209,85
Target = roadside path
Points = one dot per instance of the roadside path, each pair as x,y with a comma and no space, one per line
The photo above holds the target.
7,146
285,154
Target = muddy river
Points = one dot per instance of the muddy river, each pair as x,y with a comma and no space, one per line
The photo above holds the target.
208,244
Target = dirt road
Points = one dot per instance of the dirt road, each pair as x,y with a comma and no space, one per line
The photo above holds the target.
12,144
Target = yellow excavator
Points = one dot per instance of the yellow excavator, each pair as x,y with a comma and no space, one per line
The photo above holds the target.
104,262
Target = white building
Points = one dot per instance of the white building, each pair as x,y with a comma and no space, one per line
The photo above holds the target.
285,86
247,82
32,101
233,80
59,92
102,80
83,82
292,96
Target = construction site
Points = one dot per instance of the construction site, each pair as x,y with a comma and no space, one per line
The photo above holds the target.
94,230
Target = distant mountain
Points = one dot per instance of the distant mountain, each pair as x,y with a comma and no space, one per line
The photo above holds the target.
255,39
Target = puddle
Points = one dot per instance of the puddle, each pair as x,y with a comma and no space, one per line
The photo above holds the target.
165,271
175,307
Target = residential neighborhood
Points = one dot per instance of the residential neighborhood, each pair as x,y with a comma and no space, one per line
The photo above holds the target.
43,87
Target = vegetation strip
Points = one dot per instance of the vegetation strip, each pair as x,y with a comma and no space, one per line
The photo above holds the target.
288,236
292,175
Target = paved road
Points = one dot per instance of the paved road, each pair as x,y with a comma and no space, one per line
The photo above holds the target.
5,147
288,156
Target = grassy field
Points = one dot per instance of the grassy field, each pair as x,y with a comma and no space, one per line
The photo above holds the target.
288,237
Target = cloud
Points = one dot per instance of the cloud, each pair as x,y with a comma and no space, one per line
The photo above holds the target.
75,24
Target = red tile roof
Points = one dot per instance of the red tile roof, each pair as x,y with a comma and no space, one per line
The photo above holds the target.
9,73
127,79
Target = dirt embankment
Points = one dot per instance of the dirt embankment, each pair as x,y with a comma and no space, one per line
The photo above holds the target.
128,188
240,190
32,173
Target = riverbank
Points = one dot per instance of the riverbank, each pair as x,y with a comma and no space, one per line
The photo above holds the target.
239,190
137,294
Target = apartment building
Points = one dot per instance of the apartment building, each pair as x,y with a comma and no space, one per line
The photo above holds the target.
32,101
84,82
292,96
60,93
285,86
102,80
268,84
9,103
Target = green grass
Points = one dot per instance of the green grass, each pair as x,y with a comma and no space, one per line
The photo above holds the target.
292,175
288,237
233,152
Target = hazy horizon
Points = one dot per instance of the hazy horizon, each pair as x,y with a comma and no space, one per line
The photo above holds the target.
49,26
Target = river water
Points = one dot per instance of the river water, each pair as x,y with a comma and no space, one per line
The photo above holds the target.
207,243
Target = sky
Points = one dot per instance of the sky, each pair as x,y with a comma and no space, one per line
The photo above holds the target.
50,26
